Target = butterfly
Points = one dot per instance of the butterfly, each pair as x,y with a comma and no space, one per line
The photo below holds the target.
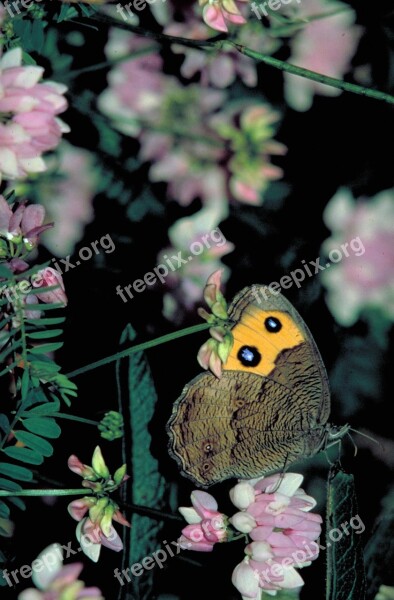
269,408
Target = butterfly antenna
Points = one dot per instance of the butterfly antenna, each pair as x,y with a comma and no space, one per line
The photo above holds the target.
353,442
369,437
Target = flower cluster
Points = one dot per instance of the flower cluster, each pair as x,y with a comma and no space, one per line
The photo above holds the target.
274,513
95,513
29,124
20,228
215,351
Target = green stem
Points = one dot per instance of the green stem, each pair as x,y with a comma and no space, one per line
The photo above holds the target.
69,492
75,418
219,41
107,63
139,347
301,72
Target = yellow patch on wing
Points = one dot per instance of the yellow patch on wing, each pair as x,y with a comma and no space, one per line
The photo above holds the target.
251,331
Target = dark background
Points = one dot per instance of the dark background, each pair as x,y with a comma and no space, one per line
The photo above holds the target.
343,141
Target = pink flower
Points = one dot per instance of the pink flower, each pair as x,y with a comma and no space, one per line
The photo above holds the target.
217,12
186,236
188,162
30,126
170,120
85,471
275,514
206,526
131,105
92,537
19,220
323,45
68,199
218,69
249,133
362,280
57,582
95,529
49,277
215,351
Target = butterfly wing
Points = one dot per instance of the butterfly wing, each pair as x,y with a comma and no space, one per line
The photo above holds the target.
268,409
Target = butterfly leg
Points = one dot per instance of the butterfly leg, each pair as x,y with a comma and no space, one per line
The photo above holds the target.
282,473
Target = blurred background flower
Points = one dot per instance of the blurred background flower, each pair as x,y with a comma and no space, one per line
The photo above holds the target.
360,282
324,44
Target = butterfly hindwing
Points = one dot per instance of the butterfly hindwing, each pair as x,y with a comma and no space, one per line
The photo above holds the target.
270,405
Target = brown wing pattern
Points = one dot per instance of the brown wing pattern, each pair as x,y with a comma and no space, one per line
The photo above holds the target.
245,425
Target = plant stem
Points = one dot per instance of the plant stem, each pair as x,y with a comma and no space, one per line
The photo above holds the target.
218,42
75,418
107,63
69,492
139,347
301,72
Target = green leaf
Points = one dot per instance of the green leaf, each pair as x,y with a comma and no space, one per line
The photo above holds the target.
24,455
37,39
16,345
44,409
49,306
345,560
4,510
66,13
15,472
36,396
138,407
19,503
46,348
11,486
35,442
5,272
40,335
46,321
46,427
4,424
25,384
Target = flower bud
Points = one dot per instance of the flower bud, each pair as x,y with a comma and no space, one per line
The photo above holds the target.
98,464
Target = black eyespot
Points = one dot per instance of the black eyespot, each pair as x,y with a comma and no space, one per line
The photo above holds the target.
206,466
249,356
272,324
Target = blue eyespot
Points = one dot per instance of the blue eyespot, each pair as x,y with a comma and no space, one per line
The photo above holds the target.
272,324
249,356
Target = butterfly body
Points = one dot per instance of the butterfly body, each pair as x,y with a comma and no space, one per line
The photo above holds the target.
269,408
